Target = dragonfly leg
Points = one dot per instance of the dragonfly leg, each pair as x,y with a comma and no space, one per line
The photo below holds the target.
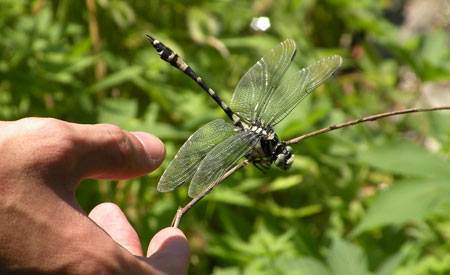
259,167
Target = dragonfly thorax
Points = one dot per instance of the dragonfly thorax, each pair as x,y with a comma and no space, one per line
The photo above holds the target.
258,129
270,149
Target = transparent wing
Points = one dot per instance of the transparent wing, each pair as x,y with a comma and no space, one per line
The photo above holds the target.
295,86
182,168
258,83
220,159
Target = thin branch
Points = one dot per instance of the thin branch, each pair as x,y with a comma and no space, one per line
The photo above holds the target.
361,120
94,34
182,210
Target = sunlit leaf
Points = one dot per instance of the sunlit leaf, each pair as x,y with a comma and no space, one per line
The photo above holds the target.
117,110
391,264
226,271
302,266
230,196
285,183
116,79
345,258
405,158
405,201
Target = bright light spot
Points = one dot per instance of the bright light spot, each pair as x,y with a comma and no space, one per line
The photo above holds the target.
260,23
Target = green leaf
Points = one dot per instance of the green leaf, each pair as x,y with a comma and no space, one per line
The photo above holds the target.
345,258
389,266
81,64
117,110
259,42
406,158
117,78
302,266
229,196
288,212
435,47
283,183
226,271
406,201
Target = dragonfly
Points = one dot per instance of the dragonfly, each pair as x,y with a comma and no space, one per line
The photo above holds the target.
263,97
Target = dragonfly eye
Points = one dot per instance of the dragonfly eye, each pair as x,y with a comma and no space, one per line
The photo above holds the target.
283,163
289,149
280,159
290,160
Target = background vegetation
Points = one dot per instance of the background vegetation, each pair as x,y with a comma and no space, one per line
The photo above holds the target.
368,199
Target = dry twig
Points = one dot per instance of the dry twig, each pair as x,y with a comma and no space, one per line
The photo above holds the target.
94,34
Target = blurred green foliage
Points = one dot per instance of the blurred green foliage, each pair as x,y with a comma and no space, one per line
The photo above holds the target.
371,199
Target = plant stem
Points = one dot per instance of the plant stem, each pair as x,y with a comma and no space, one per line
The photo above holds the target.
94,34
361,120
182,210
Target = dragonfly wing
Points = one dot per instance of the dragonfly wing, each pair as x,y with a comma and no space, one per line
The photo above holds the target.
220,159
258,83
182,168
295,86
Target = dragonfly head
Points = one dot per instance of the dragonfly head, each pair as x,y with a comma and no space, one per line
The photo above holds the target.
285,159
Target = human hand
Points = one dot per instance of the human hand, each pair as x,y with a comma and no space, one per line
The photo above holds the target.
44,230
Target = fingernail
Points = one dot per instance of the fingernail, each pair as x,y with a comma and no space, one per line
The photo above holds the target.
153,146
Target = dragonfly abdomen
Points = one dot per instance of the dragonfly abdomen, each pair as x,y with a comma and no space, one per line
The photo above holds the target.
168,55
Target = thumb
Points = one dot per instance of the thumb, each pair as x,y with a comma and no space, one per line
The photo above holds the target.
113,153
168,251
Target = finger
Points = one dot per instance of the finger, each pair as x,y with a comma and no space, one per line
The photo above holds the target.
168,251
70,150
111,219
112,153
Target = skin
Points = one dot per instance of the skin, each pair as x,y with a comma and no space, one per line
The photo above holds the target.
43,229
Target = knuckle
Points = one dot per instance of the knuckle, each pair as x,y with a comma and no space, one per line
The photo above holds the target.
114,134
118,139
111,129
43,126
52,138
